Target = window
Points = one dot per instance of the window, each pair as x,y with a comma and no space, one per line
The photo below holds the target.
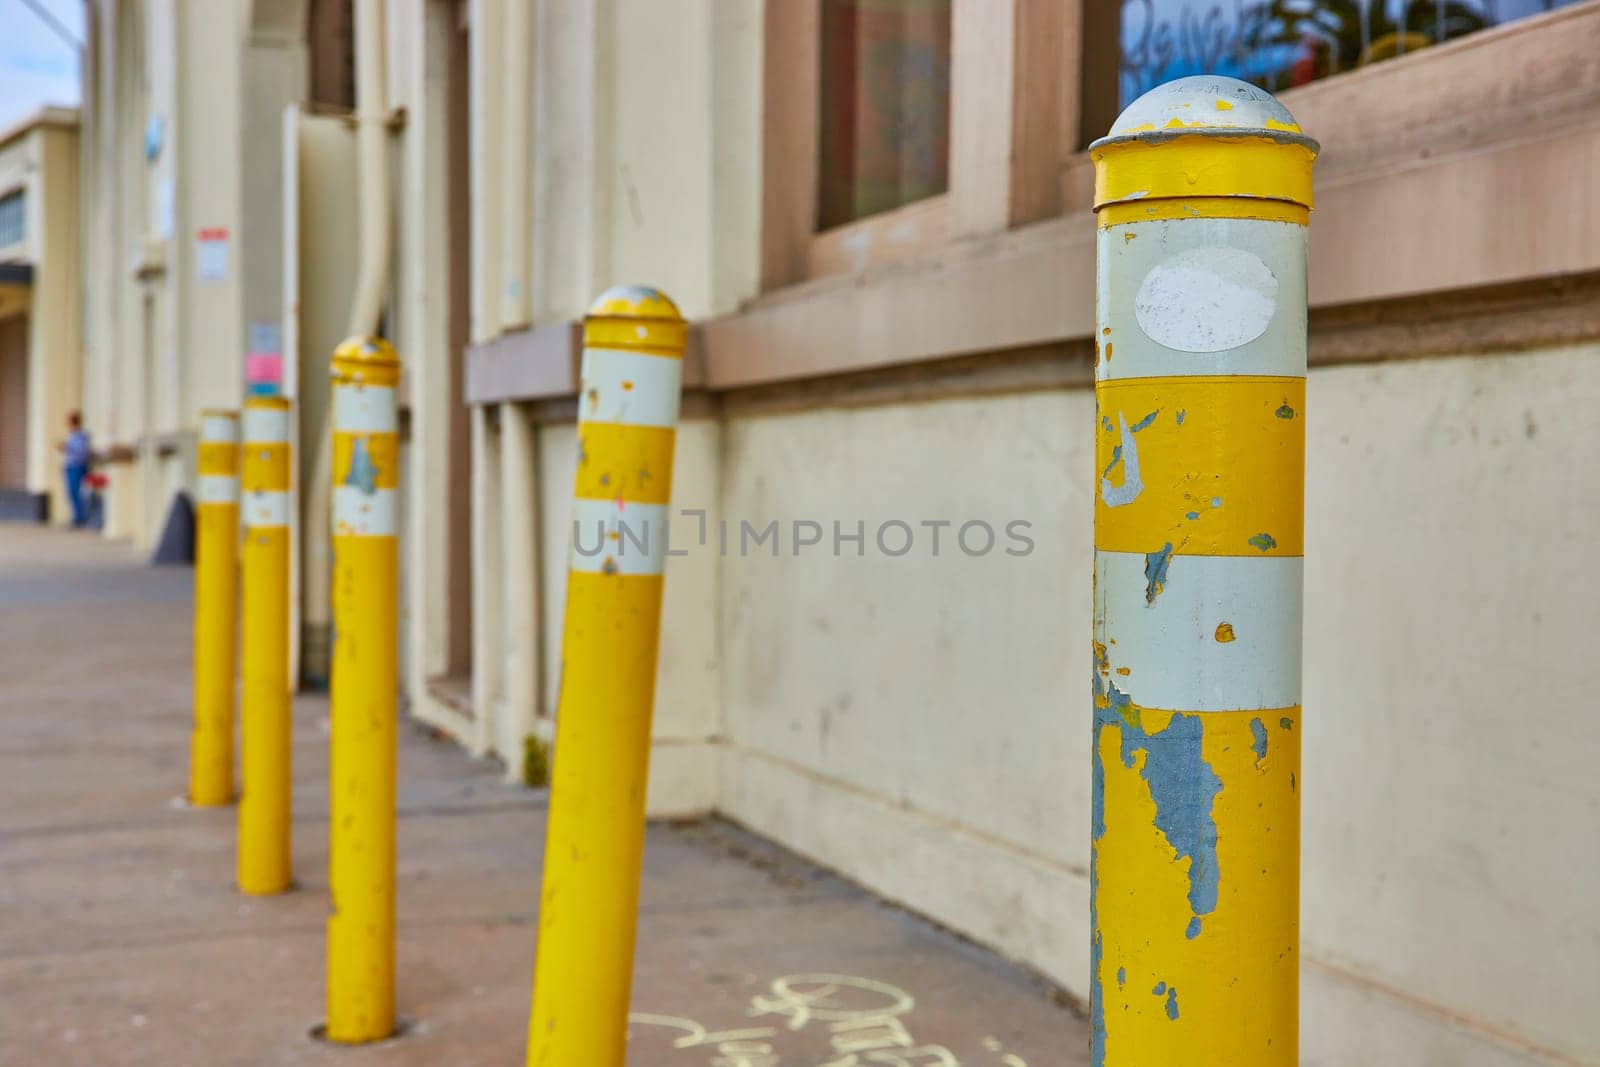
13,218
1276,44
884,106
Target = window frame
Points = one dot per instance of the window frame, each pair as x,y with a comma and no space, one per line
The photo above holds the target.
1013,89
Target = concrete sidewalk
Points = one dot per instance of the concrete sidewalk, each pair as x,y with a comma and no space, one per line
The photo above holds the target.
122,940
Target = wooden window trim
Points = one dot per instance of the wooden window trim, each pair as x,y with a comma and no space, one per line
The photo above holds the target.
1463,167
1469,164
1013,87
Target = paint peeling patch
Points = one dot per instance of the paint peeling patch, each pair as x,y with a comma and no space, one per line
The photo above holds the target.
1182,784
1286,723
1216,501
1127,453
1192,515
1155,572
1146,421
363,472
1194,928
1224,633
1258,730
1116,457
1172,1003
1181,413
1160,990
1105,423
1097,1007
1122,977
1285,411
1103,696
1204,300
1264,541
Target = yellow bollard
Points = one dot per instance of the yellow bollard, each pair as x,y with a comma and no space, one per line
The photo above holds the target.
264,807
363,694
1203,196
216,593
627,420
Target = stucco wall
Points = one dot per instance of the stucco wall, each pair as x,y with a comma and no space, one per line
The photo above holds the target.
685,759
921,724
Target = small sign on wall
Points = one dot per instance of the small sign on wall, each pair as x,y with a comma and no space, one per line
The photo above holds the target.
211,254
263,362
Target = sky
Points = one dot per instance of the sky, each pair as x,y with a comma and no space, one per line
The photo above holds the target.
36,66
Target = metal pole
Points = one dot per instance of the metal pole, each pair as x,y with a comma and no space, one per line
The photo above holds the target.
627,420
216,596
264,800
1203,195
363,695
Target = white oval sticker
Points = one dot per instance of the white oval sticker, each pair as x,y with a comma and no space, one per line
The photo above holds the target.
1206,300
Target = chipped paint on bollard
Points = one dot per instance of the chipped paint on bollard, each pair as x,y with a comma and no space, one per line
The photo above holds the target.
363,693
263,862
1202,195
627,424
216,600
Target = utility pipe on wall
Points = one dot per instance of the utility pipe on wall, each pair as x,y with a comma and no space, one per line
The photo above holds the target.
372,281
1202,197
517,69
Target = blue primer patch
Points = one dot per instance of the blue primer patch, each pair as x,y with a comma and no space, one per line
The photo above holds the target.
1194,928
1216,501
1146,421
1097,1007
363,472
1159,990
1258,730
1182,784
1286,722
1172,1003
1116,457
1155,572
1122,977
1193,515
1263,541
1181,414
1105,423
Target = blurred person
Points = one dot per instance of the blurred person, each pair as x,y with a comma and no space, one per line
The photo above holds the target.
77,454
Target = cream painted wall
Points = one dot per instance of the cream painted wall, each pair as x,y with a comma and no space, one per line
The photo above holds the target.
921,725
43,163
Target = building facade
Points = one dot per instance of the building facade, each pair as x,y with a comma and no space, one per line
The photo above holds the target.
40,311
876,634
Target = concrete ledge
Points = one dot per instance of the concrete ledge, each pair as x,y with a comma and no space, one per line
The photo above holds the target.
526,365
545,364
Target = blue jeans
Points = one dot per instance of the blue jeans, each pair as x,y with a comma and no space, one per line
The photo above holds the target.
75,473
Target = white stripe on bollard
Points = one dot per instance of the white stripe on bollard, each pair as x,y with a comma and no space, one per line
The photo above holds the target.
629,388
